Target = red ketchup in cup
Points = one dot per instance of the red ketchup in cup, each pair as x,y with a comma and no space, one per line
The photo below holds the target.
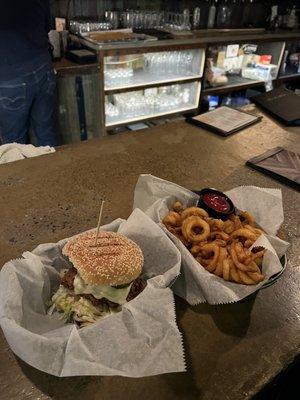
217,202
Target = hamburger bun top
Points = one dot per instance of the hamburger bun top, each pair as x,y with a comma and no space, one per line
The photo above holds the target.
116,260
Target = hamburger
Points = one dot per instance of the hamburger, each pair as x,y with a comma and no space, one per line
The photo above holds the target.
102,278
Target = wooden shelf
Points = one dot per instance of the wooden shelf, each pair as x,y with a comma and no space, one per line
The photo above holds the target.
234,84
143,79
289,77
127,121
247,84
152,84
179,111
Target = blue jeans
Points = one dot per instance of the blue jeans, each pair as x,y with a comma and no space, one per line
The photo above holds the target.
29,101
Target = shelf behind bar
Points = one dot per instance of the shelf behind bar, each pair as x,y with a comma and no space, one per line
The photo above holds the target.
132,88
189,108
289,77
248,83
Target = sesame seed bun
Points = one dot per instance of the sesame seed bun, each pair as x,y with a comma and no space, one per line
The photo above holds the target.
116,260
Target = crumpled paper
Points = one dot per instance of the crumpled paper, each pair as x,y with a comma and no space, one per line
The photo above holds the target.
155,197
141,340
15,151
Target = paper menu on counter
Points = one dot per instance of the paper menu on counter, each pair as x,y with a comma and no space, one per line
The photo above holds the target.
224,120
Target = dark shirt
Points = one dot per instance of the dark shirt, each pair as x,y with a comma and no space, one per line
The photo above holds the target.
24,27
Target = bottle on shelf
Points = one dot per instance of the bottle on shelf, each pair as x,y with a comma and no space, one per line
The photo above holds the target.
223,15
273,20
292,19
226,101
204,7
292,59
212,14
261,13
236,18
196,18
186,19
248,14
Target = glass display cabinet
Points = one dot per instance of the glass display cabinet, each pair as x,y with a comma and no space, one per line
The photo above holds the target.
151,84
129,85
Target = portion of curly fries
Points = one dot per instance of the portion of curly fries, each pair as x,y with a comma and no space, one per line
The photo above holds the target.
221,247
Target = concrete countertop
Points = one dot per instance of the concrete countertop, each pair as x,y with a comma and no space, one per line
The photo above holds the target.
233,350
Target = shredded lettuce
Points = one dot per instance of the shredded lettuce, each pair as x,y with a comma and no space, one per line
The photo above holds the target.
75,308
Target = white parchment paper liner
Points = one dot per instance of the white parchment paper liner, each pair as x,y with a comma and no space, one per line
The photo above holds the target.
142,340
155,196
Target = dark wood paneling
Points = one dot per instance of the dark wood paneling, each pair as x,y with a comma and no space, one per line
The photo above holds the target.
64,67
67,112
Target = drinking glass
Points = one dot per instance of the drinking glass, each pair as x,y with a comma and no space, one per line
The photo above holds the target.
112,17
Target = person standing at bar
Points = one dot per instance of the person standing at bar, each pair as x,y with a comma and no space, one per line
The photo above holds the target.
27,78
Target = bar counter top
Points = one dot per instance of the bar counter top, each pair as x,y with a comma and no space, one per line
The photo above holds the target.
232,351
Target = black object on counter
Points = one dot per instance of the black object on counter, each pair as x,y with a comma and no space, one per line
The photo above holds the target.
81,56
282,104
224,120
216,203
279,163
160,35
